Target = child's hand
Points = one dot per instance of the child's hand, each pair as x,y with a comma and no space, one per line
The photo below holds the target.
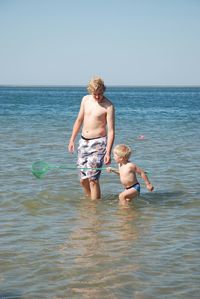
150,187
109,169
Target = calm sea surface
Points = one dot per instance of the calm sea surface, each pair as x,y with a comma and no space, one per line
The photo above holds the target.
57,244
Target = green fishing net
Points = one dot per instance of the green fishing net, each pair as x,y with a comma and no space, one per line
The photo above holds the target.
40,168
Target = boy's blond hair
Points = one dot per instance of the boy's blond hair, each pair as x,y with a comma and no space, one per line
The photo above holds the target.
123,151
96,84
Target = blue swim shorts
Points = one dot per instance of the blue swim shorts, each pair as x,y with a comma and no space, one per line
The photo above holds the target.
135,186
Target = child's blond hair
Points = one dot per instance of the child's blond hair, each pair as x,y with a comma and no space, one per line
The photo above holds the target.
123,151
96,84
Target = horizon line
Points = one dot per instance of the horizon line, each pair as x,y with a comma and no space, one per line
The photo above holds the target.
107,85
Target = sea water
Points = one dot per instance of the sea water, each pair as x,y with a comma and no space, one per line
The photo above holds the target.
57,244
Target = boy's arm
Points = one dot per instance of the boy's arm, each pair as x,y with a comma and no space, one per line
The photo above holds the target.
110,133
144,176
111,169
76,127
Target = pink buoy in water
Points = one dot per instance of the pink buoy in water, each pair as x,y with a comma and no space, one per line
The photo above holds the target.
141,137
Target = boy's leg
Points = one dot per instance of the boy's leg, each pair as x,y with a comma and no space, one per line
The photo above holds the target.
127,195
96,150
86,187
95,189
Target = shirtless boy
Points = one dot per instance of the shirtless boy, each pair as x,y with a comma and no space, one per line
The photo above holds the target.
127,172
97,119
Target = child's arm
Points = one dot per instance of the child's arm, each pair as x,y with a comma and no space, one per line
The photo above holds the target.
144,176
111,169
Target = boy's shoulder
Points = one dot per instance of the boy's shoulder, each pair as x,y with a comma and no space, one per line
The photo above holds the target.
132,165
86,98
108,101
108,104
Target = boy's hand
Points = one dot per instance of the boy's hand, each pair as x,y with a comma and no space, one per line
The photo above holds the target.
107,159
150,187
109,169
71,147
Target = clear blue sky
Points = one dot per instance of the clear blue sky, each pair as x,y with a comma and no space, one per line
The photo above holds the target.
127,42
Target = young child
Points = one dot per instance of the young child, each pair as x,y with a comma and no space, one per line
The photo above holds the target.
127,172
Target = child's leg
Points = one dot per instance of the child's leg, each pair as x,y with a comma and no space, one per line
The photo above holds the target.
127,195
86,187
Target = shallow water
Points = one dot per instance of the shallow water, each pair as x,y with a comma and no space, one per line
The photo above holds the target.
57,244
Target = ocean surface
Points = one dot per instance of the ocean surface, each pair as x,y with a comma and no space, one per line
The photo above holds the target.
54,243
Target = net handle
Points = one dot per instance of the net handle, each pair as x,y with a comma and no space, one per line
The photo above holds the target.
71,167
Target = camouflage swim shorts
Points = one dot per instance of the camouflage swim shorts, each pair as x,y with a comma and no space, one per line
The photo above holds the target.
91,153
